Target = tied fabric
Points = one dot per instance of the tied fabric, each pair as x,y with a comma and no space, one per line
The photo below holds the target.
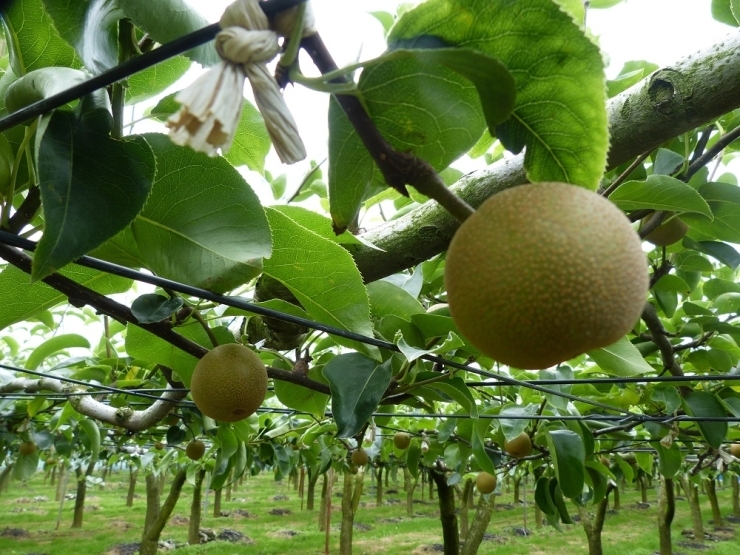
212,105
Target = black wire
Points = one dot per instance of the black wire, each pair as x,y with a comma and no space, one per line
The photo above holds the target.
115,269
130,67
645,379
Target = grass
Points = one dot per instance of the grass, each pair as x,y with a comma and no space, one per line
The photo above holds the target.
379,530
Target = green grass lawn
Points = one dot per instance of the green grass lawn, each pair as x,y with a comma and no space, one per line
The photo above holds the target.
28,526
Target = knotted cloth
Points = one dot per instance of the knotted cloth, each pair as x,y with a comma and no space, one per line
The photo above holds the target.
212,105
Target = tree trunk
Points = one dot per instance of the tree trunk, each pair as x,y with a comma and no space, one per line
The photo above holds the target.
411,486
379,486
132,476
537,516
617,505
643,489
311,492
447,513
593,527
464,508
431,489
156,516
53,479
711,486
478,528
359,485
387,474
301,490
217,503
80,499
161,481
517,481
348,516
735,496
324,502
666,511
194,529
692,495
230,486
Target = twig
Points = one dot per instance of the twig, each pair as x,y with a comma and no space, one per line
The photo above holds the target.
625,174
716,149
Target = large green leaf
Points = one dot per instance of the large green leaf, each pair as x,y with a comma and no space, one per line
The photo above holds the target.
387,298
41,83
722,10
322,276
91,26
20,300
568,457
154,80
660,192
669,459
202,224
32,40
90,428
301,398
621,359
166,21
320,225
560,111
705,405
357,386
54,345
92,186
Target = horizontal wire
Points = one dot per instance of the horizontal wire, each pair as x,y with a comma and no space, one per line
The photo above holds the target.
130,67
115,269
645,379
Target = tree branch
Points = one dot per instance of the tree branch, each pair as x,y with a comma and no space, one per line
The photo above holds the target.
670,102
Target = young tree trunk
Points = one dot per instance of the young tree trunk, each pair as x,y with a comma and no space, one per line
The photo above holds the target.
537,516
643,489
80,499
517,481
593,527
132,476
313,477
357,494
379,486
60,481
711,486
387,474
406,479
230,486
301,490
217,503
735,496
348,516
411,486
156,516
161,481
53,479
324,502
692,495
478,528
464,495
194,529
431,489
617,505
666,511
447,513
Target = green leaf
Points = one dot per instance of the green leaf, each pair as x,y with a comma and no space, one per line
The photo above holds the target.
456,389
705,405
26,466
513,427
251,141
32,40
87,199
597,482
166,21
357,386
91,27
556,494
621,359
152,81
320,225
723,252
387,298
542,497
722,11
322,276
568,457
668,395
483,457
670,282
667,162
627,471
713,288
21,300
53,346
90,428
660,192
560,112
669,459
151,307
301,398
413,455
202,224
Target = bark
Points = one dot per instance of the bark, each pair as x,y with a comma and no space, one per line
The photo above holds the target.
478,528
156,516
537,516
670,102
517,481
666,511
301,485
464,495
194,529
61,491
217,503
162,480
735,496
132,476
643,488
379,486
80,499
594,526
692,495
711,486
348,516
324,502
447,515
229,487
313,477
410,487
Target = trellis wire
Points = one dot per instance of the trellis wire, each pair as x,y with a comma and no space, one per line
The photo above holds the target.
636,379
110,268
130,67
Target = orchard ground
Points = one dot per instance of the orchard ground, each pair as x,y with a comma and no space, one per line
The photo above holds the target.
269,514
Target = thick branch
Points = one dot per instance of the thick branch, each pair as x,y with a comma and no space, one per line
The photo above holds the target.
672,101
